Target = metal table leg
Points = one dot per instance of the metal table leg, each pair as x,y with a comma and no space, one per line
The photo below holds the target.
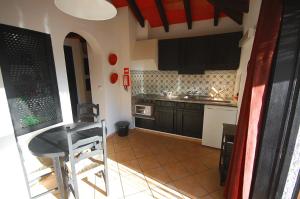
60,178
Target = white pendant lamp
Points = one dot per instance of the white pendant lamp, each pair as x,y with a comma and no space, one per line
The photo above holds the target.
87,9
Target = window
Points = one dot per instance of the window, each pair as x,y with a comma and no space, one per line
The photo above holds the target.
28,70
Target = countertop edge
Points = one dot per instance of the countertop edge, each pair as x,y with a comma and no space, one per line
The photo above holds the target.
205,102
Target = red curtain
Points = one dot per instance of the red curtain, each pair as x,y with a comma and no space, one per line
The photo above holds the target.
250,120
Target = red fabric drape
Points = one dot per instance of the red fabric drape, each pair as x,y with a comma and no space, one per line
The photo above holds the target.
249,124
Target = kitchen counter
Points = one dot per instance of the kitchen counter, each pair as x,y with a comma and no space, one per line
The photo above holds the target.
192,99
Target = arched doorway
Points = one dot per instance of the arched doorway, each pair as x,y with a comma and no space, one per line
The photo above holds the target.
77,67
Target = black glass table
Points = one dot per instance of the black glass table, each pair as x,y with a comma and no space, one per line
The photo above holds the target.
53,144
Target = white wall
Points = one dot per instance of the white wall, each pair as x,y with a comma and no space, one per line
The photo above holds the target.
249,21
102,38
10,157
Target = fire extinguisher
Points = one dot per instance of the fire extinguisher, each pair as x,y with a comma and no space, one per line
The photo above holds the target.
126,78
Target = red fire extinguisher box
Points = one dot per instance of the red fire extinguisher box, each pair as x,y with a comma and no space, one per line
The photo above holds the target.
126,78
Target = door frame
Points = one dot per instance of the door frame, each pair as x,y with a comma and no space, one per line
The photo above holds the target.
72,90
282,116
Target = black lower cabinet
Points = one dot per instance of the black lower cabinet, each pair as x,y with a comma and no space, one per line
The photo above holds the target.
184,119
145,123
189,123
164,119
181,118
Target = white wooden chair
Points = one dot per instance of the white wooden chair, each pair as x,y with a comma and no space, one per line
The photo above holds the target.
85,148
88,112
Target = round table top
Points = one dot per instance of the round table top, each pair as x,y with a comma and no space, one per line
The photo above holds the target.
54,142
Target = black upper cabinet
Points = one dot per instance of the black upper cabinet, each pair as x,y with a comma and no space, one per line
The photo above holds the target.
169,54
197,54
194,55
225,51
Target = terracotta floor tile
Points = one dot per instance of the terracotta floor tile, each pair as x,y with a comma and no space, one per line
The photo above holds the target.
133,184
181,155
120,140
124,145
174,147
158,149
138,143
215,153
211,161
176,171
125,155
110,141
115,186
209,180
202,151
110,149
160,191
194,165
189,187
148,162
158,174
129,167
166,158
207,197
141,195
217,194
111,156
141,152
112,165
166,168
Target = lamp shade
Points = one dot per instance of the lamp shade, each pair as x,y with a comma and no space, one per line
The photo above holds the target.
87,9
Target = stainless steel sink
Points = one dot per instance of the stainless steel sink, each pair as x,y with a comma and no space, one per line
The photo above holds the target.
192,98
203,98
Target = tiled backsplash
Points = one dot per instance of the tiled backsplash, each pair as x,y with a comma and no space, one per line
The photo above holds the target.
155,82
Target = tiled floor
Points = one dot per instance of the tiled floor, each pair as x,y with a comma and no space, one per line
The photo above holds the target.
147,165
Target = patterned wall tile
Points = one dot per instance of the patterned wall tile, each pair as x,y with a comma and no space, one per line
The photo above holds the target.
155,82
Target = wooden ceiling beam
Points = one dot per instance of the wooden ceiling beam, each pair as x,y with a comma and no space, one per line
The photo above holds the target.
216,16
235,15
237,6
162,14
188,13
137,13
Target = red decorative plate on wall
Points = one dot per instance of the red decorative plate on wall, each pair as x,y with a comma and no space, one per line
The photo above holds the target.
114,78
112,59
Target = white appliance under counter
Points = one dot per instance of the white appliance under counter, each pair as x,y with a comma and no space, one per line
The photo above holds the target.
214,117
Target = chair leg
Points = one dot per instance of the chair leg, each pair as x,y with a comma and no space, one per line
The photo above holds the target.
104,130
105,171
75,184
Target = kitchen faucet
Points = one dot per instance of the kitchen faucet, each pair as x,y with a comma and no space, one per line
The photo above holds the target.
217,93
192,92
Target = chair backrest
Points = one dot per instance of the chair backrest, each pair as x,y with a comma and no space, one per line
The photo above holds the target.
83,143
88,112
86,146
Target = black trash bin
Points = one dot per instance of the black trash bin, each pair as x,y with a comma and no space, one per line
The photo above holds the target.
122,128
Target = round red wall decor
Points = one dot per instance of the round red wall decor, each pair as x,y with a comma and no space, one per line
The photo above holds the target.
112,59
114,78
